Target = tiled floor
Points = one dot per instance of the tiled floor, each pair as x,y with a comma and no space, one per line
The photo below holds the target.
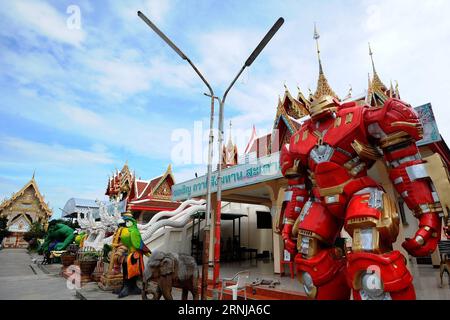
426,278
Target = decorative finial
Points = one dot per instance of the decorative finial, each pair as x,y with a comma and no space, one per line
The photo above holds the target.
34,173
323,88
317,37
350,91
397,92
285,86
371,57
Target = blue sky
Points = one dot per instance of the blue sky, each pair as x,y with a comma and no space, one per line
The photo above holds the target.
77,103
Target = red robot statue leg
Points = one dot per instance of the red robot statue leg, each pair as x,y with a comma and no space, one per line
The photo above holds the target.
320,267
374,271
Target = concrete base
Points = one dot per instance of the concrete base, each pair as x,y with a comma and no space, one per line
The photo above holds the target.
110,282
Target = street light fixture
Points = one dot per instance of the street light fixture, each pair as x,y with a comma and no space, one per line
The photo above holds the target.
210,153
217,219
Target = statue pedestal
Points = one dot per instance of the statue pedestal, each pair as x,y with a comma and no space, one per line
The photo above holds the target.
109,282
67,272
98,272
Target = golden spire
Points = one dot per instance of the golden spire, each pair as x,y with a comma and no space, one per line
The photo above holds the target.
350,92
323,88
377,84
397,92
369,90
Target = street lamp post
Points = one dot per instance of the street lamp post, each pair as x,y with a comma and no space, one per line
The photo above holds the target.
217,218
206,231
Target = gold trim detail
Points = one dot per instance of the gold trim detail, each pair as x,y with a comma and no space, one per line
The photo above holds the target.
349,118
336,190
290,221
337,122
394,139
313,246
305,135
431,208
293,171
366,151
407,124
385,229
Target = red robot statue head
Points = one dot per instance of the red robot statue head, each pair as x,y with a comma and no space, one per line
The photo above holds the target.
323,107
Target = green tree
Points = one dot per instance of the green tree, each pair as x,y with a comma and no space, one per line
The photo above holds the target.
36,232
3,230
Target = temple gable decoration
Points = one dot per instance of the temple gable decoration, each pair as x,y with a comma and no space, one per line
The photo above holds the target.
24,208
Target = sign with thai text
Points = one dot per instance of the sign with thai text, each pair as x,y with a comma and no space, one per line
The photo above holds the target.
260,170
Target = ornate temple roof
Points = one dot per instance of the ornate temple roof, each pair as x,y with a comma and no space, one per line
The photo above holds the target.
138,189
290,108
30,184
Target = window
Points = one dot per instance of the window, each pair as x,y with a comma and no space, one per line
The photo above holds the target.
263,220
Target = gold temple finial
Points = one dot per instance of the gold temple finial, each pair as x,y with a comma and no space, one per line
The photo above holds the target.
377,84
317,37
285,86
323,88
350,92
34,173
369,89
371,58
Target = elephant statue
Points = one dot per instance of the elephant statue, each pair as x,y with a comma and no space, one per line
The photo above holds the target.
170,270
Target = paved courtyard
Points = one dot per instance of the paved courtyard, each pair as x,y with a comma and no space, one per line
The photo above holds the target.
22,278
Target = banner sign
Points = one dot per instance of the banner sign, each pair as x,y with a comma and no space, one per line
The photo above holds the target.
430,129
262,169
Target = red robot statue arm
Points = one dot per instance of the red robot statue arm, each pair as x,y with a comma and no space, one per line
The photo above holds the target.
296,195
396,128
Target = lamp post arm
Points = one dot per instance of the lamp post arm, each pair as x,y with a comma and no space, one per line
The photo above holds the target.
201,76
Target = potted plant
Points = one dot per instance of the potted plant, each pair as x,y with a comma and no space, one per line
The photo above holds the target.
87,261
68,258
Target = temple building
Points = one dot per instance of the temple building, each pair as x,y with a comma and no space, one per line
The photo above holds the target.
24,208
144,198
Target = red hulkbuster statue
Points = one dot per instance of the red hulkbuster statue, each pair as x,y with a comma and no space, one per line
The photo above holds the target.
326,164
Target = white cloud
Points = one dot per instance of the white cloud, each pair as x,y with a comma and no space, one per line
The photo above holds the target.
41,18
22,150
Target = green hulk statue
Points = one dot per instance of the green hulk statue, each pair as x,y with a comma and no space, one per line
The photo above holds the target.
59,236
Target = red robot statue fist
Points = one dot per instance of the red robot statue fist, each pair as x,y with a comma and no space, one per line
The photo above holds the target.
289,243
426,238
